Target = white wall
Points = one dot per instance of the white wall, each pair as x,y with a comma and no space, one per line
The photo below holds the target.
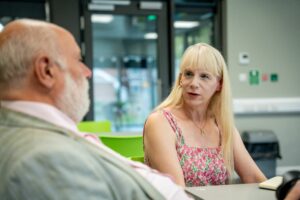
269,31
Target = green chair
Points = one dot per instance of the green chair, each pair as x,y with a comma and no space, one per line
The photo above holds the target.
128,146
97,127
137,158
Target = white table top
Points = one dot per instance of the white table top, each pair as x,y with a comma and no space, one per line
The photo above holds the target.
232,192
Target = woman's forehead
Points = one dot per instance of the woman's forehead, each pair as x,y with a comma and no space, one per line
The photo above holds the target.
201,69
194,69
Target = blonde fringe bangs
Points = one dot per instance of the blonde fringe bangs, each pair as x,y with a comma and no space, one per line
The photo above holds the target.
200,57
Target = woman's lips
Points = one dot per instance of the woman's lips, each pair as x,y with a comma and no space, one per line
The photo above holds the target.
193,94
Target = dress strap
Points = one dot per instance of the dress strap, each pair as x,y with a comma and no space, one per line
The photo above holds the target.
168,115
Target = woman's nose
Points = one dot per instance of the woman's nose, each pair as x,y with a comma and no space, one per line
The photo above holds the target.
195,82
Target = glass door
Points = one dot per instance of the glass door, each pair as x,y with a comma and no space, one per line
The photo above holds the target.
125,64
124,68
195,21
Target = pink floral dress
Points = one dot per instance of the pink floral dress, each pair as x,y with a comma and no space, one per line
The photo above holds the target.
200,166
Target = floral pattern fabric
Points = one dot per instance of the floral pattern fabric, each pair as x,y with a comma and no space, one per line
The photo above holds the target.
200,166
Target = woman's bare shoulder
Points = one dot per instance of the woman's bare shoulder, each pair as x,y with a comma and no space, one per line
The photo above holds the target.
157,119
157,124
156,116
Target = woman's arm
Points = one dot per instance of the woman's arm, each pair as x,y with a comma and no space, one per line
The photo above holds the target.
159,141
243,163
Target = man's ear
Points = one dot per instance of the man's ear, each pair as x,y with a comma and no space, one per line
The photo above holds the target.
45,71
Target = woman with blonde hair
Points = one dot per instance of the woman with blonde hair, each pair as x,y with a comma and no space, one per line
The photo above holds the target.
191,135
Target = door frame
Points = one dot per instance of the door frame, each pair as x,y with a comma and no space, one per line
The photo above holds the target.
164,64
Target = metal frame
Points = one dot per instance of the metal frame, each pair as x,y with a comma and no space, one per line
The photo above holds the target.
163,53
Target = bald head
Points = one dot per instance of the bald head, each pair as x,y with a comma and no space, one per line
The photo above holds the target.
41,62
21,41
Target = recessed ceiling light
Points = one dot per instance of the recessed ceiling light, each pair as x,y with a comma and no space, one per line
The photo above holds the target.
105,19
150,36
186,24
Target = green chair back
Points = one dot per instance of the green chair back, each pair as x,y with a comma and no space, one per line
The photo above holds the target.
128,146
137,158
97,127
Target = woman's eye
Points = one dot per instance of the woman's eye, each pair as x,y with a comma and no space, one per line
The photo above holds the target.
205,76
188,74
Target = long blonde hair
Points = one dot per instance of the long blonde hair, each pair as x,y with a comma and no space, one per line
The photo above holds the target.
206,57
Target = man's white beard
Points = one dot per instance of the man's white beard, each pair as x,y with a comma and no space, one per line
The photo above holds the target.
74,100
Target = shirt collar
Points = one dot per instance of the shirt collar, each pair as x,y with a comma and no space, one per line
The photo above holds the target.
42,111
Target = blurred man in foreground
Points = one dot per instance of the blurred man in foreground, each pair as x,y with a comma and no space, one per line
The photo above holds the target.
44,93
